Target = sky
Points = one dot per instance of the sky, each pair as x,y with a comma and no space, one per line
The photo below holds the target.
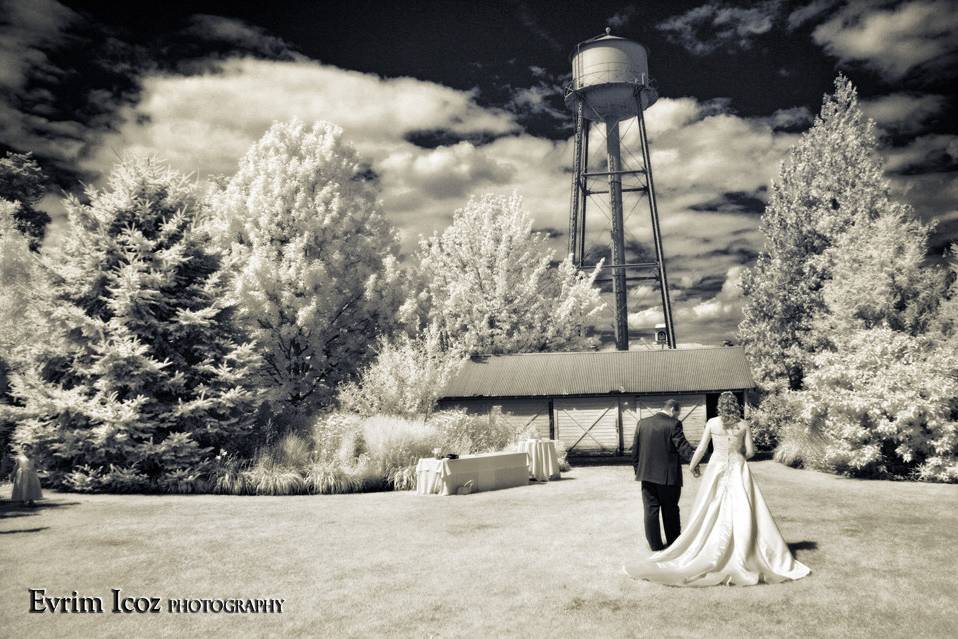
450,99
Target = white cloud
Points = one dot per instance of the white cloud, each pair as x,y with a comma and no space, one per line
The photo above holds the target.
717,25
715,317
902,112
444,172
237,33
792,118
896,41
31,29
622,17
809,12
924,153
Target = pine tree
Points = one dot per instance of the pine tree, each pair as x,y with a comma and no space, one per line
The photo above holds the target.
313,258
22,181
829,182
23,292
492,286
147,379
21,288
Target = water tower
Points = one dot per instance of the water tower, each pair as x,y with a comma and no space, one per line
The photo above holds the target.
610,85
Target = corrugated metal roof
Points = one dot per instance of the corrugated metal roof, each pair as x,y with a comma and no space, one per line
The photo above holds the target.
602,372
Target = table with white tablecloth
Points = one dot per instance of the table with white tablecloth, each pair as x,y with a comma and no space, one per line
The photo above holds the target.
543,458
472,473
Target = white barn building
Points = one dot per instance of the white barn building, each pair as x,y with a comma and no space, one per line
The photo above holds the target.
591,401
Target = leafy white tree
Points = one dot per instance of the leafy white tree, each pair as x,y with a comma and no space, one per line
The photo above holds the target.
145,379
492,287
313,258
880,278
830,181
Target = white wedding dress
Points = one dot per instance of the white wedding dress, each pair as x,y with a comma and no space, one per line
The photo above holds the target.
731,537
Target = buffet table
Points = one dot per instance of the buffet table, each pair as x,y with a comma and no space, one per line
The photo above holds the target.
472,473
543,459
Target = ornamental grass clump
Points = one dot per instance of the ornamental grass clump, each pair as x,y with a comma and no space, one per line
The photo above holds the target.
395,446
268,479
331,478
228,476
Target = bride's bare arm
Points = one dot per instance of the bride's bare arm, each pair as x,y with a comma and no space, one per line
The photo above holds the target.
749,444
702,447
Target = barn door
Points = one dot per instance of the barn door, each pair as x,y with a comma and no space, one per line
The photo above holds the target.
526,415
588,426
636,408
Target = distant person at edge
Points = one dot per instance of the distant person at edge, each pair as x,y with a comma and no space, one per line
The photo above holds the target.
26,482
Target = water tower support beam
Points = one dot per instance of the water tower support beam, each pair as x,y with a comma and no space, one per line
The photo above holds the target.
575,210
656,231
618,235
582,188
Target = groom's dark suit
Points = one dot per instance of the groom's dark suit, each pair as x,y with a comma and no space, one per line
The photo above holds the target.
658,448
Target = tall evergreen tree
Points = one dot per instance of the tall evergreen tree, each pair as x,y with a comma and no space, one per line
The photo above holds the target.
313,259
829,182
148,379
22,181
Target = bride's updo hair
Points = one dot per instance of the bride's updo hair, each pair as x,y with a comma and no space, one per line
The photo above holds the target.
728,409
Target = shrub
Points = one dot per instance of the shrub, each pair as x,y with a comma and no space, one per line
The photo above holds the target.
885,405
120,479
405,379
774,415
800,446
562,454
180,480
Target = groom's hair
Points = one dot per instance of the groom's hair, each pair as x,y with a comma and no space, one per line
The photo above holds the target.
671,405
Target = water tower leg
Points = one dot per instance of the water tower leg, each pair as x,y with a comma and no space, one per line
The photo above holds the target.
656,231
618,236
583,196
574,209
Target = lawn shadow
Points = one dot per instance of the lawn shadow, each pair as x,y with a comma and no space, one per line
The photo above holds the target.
11,509
795,546
23,530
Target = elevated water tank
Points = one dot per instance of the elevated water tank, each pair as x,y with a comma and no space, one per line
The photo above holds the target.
608,72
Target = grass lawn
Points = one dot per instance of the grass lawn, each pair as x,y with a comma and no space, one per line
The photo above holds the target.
537,561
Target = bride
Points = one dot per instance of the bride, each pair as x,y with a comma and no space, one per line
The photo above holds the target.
730,537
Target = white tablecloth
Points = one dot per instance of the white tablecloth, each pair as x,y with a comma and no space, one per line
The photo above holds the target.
475,473
543,458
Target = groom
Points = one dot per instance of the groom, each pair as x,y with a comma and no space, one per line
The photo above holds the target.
658,447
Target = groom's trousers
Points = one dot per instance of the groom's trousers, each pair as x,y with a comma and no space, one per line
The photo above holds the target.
664,498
